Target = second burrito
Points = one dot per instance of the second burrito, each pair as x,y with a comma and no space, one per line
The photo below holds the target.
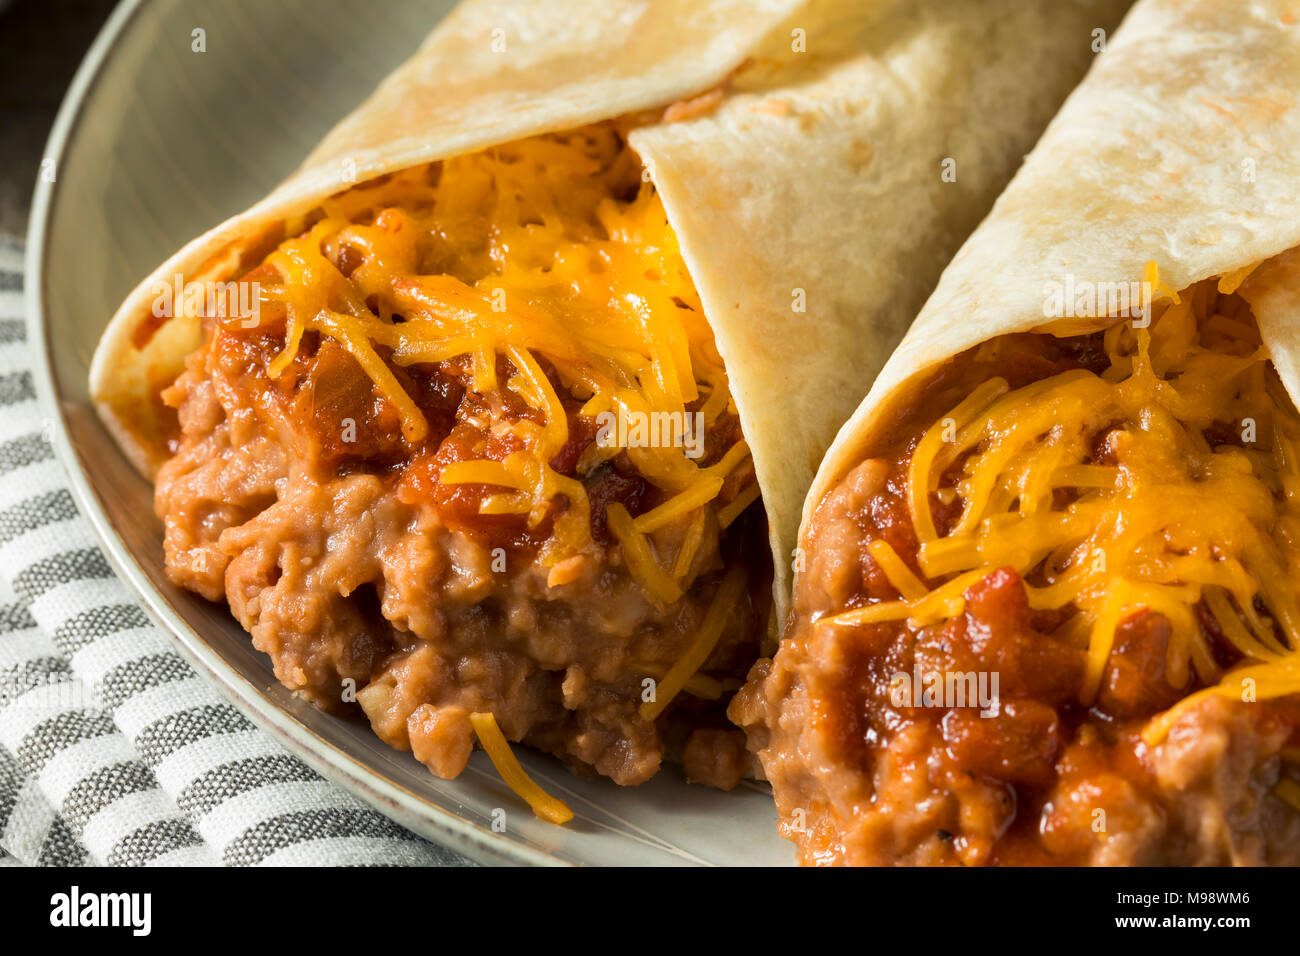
1049,611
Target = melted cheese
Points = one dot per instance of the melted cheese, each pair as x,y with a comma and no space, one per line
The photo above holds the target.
527,253
685,667
1175,525
503,758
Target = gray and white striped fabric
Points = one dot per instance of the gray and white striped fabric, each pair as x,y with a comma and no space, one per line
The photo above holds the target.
113,751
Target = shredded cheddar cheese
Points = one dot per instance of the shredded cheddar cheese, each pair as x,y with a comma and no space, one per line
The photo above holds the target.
545,806
640,557
551,267
699,685
899,574
1177,525
715,621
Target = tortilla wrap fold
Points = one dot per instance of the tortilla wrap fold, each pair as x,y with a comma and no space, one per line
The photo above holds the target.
818,176
1181,147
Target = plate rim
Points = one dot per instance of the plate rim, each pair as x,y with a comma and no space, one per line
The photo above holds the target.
439,825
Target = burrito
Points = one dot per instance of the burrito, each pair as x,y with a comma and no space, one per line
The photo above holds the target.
1047,612
488,422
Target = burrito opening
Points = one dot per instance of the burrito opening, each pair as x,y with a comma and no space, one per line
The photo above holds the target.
1052,617
471,459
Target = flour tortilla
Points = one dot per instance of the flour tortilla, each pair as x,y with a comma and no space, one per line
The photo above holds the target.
809,199
1182,147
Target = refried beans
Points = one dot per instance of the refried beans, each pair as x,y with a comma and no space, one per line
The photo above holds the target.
309,484
1052,773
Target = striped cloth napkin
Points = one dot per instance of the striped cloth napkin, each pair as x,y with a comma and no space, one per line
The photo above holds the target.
113,751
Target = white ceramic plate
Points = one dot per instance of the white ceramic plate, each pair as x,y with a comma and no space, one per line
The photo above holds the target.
154,144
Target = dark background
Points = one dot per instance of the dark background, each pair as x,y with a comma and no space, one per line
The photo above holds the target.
41,44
